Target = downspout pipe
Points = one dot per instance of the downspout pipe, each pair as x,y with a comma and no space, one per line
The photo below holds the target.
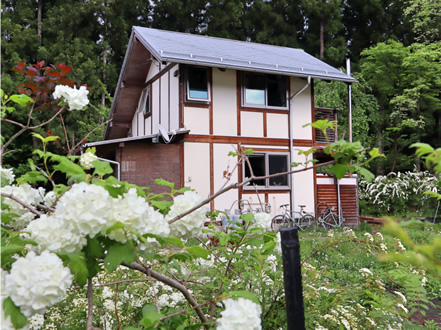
291,134
118,166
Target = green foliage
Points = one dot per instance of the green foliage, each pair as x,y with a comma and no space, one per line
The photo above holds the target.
17,317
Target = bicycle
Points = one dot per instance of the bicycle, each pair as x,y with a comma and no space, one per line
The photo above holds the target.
327,218
288,218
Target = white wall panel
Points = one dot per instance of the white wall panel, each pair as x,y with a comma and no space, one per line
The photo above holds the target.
224,102
134,128
174,99
301,108
197,120
251,124
223,162
164,101
277,125
155,106
275,200
197,167
148,125
303,185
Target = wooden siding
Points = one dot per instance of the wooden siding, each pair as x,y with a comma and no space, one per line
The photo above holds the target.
349,201
142,163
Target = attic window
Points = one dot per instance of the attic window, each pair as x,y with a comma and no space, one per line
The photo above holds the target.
144,102
264,90
197,84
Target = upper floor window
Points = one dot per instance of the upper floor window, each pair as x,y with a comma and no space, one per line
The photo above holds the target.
264,90
144,102
264,164
198,85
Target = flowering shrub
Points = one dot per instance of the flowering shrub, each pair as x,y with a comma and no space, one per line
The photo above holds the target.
399,193
76,98
240,314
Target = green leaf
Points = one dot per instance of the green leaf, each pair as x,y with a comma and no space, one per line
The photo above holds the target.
247,217
174,241
268,247
150,316
162,205
368,175
163,182
101,168
17,317
374,153
94,247
339,170
11,249
118,253
21,99
77,266
245,294
198,251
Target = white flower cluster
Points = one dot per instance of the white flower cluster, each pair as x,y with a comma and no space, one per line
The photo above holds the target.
402,296
26,194
85,209
135,212
191,225
87,159
240,314
37,281
263,220
76,98
365,272
6,176
50,233
368,237
170,300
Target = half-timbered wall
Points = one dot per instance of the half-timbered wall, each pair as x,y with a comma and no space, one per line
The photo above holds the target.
164,103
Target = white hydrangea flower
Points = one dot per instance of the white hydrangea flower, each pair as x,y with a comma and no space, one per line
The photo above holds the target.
191,225
26,194
6,176
365,272
51,234
37,282
87,159
278,248
76,98
135,212
85,209
50,198
263,220
5,321
240,314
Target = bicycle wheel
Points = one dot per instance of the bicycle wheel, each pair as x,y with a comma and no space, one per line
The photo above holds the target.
330,221
306,221
280,221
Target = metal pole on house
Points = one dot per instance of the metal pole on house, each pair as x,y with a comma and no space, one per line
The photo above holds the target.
292,277
348,69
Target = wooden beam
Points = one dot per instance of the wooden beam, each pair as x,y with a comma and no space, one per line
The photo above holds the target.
160,74
120,125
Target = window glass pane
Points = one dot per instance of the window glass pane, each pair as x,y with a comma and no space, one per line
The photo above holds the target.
258,164
254,88
147,102
198,83
277,164
276,90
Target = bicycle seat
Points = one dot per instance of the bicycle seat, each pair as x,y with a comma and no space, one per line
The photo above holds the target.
302,206
283,205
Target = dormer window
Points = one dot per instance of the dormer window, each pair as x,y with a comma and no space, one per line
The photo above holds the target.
264,91
198,85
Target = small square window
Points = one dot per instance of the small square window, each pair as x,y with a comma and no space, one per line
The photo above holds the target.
198,84
265,164
264,90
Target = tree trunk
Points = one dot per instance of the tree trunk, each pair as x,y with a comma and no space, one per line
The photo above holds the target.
394,162
322,38
40,9
103,94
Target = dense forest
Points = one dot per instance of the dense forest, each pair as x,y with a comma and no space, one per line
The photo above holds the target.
394,46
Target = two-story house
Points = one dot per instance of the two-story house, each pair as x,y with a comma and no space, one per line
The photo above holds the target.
184,101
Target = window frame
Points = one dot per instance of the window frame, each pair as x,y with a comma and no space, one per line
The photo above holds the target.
146,93
267,185
265,106
187,85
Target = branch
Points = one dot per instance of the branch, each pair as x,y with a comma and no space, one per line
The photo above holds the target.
245,182
13,122
174,284
65,134
25,205
88,134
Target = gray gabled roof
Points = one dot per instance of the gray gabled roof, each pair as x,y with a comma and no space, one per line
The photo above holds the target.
239,55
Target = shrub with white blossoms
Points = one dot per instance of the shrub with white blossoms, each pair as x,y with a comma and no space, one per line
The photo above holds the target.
240,314
263,220
191,225
6,176
51,233
26,194
36,282
87,159
76,98
85,209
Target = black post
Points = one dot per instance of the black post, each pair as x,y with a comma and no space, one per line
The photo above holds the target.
292,277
